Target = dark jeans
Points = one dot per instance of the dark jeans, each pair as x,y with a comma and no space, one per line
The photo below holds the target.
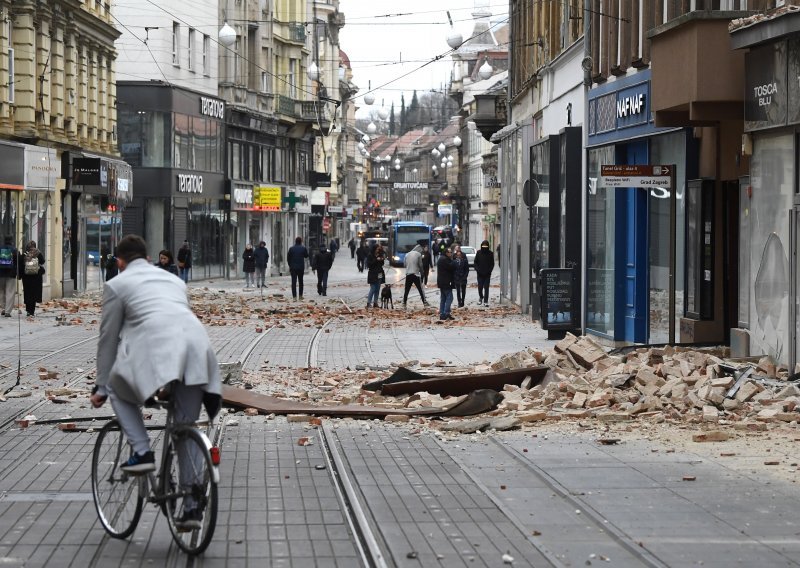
425,276
184,273
360,265
413,280
461,293
297,278
445,301
322,282
352,253
483,287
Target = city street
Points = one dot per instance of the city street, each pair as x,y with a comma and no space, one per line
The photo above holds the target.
375,492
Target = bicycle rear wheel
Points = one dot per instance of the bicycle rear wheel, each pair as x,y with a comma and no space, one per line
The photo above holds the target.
190,484
117,495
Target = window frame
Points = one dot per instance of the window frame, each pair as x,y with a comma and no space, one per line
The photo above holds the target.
176,44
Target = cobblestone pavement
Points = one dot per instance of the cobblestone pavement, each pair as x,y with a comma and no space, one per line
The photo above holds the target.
371,493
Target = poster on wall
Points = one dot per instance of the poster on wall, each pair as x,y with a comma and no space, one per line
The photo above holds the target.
558,302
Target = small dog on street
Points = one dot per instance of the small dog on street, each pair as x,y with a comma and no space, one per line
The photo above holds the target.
386,296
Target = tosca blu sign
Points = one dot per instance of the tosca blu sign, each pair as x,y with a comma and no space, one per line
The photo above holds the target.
636,176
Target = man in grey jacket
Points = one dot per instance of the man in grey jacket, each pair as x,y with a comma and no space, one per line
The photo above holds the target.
413,264
149,338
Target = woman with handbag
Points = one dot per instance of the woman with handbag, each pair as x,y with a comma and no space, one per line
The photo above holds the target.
375,275
31,269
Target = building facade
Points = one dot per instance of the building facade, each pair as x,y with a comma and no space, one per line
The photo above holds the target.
57,104
657,257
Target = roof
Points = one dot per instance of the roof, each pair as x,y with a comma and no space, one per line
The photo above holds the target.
741,23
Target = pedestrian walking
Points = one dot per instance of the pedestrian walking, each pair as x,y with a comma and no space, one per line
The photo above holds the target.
184,261
333,246
361,256
375,275
150,338
321,263
484,264
262,260
352,246
498,255
8,277
249,266
296,259
460,275
104,254
427,263
30,271
413,264
444,281
166,262
111,265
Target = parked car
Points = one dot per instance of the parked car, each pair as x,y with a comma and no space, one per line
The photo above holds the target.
469,252
92,257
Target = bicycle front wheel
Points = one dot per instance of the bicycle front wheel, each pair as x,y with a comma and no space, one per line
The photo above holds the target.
189,484
117,495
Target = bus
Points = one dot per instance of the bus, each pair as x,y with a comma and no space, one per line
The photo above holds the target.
404,236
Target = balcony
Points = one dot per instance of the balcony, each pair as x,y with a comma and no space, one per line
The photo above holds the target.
239,96
312,112
297,33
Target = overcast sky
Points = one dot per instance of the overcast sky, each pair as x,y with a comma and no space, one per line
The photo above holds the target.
376,44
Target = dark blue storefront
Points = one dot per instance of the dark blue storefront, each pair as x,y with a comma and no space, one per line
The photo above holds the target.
628,229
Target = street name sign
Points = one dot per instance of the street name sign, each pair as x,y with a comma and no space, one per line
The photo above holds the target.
646,176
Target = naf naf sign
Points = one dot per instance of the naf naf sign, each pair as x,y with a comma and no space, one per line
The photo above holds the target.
633,105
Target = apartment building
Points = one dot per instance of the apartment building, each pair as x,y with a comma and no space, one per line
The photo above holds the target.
59,167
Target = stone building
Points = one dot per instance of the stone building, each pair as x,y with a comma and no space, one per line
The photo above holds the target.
60,179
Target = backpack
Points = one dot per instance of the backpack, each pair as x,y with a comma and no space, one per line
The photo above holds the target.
31,265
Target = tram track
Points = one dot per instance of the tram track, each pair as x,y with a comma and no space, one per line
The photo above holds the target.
636,550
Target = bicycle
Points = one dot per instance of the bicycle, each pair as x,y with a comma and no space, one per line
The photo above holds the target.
181,482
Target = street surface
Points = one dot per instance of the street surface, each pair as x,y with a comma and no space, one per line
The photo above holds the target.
372,492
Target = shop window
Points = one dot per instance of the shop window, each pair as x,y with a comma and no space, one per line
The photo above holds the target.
700,249
206,55
280,164
11,75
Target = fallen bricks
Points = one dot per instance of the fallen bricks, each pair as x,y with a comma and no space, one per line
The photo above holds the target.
405,381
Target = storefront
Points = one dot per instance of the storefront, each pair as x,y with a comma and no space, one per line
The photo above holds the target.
174,140
770,198
98,191
12,184
627,294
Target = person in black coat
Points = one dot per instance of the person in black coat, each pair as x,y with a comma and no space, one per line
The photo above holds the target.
321,263
296,259
184,261
352,246
445,270
427,263
484,264
249,266
361,256
460,275
31,270
166,262
334,247
375,275
112,269
262,259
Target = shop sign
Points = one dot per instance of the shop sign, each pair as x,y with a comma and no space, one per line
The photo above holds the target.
632,108
646,176
302,200
190,183
122,185
326,224
89,171
214,108
410,185
558,302
335,210
445,209
12,167
766,93
243,197
266,198
42,168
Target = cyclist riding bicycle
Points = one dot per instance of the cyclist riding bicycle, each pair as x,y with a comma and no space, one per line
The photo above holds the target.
150,338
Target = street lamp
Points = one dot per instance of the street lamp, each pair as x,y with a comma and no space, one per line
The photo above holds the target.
371,128
442,147
313,72
457,141
227,35
369,98
485,70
